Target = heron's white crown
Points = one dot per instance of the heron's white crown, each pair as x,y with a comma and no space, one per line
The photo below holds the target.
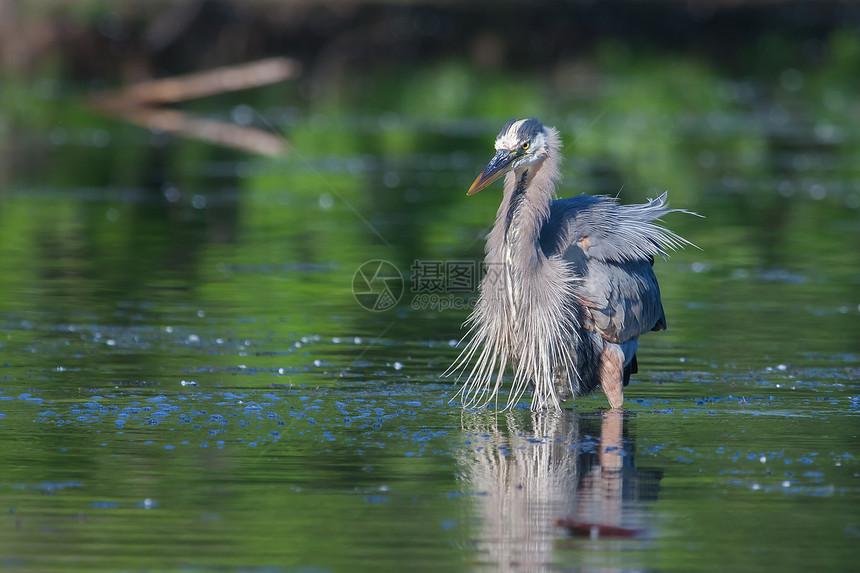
530,133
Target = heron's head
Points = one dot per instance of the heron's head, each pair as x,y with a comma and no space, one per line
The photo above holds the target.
522,142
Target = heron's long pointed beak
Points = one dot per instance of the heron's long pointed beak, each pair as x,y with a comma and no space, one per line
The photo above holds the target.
498,166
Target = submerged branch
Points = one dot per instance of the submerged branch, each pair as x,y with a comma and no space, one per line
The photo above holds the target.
208,130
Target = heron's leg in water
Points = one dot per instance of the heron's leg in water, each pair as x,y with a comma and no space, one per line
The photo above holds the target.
561,381
612,374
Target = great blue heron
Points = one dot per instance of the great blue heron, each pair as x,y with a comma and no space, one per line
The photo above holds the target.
569,284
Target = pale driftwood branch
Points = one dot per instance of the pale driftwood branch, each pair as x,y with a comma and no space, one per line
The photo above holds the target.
202,84
137,104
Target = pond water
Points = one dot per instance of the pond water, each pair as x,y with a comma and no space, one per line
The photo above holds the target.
189,380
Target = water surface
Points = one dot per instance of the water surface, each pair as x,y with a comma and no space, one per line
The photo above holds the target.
187,381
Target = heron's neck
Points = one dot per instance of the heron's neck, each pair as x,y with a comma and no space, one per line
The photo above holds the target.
512,205
513,246
522,214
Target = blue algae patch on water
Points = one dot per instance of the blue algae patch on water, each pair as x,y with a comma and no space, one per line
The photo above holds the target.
49,487
104,505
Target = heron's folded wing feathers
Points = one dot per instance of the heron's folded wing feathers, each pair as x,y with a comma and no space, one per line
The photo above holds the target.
611,247
623,299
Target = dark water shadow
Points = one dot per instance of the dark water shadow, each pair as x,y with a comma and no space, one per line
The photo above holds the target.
542,478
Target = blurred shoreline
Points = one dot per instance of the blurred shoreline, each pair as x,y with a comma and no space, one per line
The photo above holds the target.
123,42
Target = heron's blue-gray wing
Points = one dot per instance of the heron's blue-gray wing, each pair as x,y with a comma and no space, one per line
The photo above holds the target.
611,248
622,299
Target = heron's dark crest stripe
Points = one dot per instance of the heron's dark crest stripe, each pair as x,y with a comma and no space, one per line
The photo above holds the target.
529,129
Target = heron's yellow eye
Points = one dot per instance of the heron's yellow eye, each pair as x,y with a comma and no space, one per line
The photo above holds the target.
525,146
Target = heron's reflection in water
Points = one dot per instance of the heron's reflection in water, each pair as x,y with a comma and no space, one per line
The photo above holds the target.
530,470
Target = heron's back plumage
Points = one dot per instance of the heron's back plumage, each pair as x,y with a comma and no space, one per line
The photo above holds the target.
608,230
